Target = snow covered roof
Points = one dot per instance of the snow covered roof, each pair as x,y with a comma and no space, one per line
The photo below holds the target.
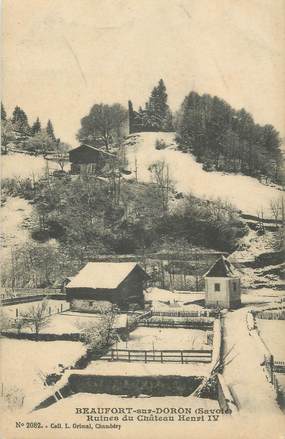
94,148
102,275
222,268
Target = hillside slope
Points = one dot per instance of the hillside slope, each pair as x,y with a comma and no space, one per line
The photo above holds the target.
245,193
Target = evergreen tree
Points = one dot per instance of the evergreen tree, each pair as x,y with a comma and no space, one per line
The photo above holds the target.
20,120
36,127
3,112
50,130
157,113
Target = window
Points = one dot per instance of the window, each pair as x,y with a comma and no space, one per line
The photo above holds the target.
217,287
234,286
90,304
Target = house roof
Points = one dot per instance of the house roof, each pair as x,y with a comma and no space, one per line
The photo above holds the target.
222,268
106,275
94,148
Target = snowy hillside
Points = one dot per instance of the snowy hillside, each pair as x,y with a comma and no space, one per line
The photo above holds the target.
246,193
26,166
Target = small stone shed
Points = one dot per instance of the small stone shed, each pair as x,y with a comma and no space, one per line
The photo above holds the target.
222,284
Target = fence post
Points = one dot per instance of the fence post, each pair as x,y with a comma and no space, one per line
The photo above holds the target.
182,357
112,354
145,356
129,354
161,356
271,368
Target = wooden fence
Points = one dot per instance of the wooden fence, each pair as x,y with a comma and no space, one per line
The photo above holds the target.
204,313
164,356
272,315
279,366
272,366
194,323
31,298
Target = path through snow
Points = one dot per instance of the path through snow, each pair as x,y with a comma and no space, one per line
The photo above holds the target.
246,379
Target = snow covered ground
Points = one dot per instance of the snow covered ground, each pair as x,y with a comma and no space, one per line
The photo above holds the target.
175,298
166,338
13,214
246,193
53,306
244,374
24,166
272,332
16,210
261,296
24,362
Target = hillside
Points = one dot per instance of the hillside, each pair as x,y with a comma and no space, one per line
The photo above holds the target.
245,193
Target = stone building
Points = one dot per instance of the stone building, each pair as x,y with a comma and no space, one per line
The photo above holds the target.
222,284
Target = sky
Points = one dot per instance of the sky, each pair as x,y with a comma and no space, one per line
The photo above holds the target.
62,56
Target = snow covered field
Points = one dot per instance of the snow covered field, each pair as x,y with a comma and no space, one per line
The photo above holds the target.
261,296
24,362
272,332
24,166
166,338
246,193
165,300
68,323
53,306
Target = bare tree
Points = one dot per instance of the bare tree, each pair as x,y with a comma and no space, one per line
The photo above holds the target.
276,209
36,316
160,176
61,154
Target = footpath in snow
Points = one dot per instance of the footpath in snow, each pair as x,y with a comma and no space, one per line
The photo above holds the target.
246,193
246,379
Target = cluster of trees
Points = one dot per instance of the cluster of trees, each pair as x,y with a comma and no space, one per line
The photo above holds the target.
104,126
227,140
17,131
88,217
156,116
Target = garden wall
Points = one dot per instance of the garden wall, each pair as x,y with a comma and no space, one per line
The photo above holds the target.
134,385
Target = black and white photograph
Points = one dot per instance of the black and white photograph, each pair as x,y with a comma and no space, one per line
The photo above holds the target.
142,219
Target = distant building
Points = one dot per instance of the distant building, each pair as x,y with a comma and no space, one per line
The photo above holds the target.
88,158
222,284
119,283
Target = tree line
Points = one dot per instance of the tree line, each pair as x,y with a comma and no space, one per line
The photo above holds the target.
220,137
225,139
32,138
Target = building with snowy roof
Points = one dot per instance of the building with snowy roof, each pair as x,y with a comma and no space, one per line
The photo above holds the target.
98,283
87,158
222,284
